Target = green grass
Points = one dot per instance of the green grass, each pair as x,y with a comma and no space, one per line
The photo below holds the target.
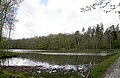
55,75
2,54
101,68
6,74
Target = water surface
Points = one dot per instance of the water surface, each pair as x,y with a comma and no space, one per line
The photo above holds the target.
50,52
53,59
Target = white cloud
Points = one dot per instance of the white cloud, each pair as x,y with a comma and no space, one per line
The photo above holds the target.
59,16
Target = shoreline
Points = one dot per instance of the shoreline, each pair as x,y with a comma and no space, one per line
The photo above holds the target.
39,70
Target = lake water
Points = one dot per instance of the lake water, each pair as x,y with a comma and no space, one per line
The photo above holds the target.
53,52
53,59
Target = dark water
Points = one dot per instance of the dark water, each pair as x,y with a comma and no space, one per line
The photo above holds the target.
53,60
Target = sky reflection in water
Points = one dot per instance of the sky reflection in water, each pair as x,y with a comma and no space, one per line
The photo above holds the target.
28,62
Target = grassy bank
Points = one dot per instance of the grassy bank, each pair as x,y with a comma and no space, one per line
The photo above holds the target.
7,54
101,68
29,74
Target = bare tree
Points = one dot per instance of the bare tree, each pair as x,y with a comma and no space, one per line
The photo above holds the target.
106,5
8,9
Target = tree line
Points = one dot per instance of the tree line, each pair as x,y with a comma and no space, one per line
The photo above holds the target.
95,37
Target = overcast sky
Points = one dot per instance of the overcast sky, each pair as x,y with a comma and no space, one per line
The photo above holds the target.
43,17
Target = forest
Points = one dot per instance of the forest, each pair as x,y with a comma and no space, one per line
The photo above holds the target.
95,37
50,61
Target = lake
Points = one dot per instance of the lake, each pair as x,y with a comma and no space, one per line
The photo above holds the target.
53,59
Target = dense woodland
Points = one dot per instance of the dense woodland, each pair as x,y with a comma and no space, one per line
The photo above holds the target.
95,37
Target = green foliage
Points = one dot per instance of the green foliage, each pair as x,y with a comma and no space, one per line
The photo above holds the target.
101,68
2,54
94,38
61,75
8,9
6,74
2,75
